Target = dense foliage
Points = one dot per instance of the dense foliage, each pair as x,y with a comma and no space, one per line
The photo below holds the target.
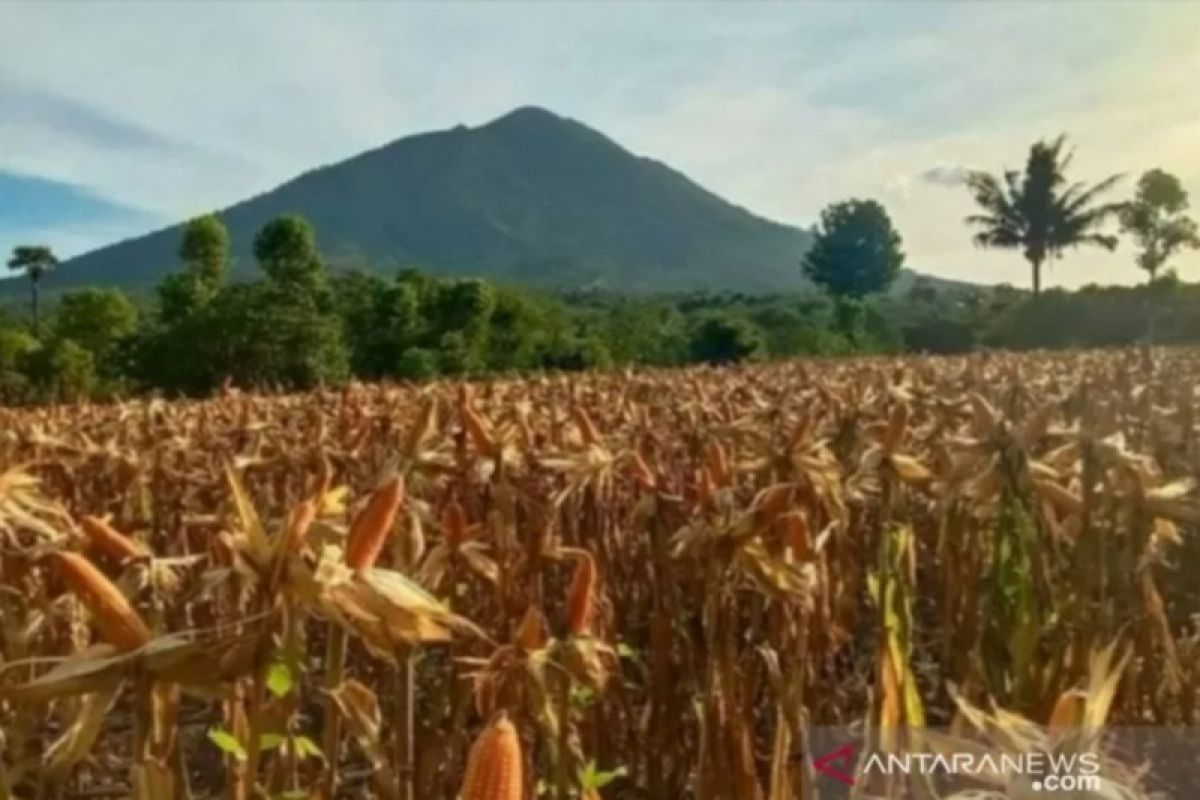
1157,220
856,251
301,324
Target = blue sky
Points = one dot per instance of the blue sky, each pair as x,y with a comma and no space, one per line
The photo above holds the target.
115,119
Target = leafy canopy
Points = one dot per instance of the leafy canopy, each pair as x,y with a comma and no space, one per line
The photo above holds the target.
204,250
286,250
1156,220
95,319
856,251
34,260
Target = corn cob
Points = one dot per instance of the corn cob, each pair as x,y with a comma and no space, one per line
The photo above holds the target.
371,527
115,618
581,599
110,541
454,523
494,769
531,633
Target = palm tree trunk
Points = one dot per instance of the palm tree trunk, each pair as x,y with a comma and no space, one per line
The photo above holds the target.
1037,275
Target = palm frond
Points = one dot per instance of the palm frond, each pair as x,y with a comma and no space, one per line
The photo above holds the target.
1079,196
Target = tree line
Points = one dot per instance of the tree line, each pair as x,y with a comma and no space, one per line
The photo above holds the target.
302,324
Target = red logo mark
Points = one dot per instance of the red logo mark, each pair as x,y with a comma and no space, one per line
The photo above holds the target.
826,764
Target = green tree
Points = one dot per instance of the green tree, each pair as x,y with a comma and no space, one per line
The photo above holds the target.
465,305
204,253
455,356
459,314
204,250
1037,212
180,294
15,345
792,329
514,333
856,251
64,371
16,348
645,332
286,250
36,261
357,300
575,352
174,354
395,324
95,319
265,335
1156,220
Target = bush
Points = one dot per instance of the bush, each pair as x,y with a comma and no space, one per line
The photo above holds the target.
725,339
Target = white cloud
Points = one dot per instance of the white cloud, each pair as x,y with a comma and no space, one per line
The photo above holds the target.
953,176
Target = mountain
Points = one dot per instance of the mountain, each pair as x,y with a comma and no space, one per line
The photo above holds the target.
530,197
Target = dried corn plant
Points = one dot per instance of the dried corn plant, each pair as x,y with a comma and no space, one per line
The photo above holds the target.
644,585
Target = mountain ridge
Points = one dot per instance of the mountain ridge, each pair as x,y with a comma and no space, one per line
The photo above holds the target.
529,197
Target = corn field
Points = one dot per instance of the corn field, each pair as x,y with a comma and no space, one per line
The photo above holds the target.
643,585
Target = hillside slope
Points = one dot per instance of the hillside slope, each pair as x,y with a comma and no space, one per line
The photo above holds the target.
530,197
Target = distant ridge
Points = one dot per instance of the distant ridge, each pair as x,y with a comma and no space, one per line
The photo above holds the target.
530,198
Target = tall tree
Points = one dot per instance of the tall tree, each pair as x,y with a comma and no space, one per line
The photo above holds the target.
1156,219
856,251
36,261
1037,212
204,250
286,249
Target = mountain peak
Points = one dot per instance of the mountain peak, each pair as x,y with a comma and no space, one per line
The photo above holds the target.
526,115
536,121
530,197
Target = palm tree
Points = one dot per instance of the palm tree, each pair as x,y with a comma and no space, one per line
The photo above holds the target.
1037,211
36,261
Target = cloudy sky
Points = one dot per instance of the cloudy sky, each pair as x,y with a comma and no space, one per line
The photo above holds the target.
115,119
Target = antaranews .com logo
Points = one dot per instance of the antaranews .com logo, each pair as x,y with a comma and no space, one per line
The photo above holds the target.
1038,770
